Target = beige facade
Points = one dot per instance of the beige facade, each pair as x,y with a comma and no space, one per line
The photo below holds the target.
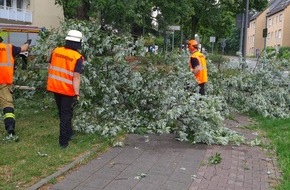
45,13
286,27
23,19
255,40
39,13
276,20
275,25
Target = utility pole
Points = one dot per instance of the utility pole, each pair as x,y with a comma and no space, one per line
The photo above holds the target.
241,35
181,36
245,33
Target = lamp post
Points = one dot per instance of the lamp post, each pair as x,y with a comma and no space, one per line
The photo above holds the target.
245,33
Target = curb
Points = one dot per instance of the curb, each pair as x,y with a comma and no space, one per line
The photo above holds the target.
62,170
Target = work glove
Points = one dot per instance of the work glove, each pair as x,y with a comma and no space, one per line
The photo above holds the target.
75,101
28,42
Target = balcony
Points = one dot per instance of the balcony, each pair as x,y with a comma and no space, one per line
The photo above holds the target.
14,14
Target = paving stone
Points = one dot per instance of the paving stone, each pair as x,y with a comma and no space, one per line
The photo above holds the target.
125,184
78,176
65,185
174,185
97,181
142,185
160,162
155,178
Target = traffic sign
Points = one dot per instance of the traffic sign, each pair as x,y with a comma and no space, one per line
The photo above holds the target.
174,27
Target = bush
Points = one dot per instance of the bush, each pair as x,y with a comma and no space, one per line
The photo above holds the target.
270,52
217,59
284,53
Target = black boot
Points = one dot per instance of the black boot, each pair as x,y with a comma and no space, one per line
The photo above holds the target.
11,131
9,120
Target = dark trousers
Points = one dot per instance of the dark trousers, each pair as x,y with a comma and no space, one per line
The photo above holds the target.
24,62
65,111
202,88
9,121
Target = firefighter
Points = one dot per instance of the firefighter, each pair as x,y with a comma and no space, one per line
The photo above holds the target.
64,78
197,65
7,54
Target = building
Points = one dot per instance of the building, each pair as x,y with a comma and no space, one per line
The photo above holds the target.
278,25
274,22
40,13
23,19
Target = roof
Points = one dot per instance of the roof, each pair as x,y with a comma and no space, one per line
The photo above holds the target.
255,16
277,6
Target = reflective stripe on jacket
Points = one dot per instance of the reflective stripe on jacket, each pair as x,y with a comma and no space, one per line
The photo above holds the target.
61,70
201,76
6,64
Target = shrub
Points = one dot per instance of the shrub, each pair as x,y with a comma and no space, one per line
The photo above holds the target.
284,53
217,59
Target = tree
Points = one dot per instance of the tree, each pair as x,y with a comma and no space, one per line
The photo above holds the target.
74,9
194,16
238,6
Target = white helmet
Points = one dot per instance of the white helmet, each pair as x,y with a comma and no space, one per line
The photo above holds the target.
74,35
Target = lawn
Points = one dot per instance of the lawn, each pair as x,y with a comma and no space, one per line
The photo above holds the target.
278,132
36,154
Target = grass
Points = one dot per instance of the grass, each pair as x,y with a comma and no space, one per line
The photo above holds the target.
37,154
278,132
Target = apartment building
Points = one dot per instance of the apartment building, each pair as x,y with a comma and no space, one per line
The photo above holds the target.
255,40
23,19
274,21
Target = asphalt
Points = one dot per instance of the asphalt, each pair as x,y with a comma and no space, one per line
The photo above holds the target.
160,162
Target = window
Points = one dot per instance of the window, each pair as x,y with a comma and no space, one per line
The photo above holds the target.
269,35
270,22
276,34
280,17
280,33
253,24
19,4
1,2
9,3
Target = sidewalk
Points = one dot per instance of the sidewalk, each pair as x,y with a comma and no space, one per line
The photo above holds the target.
161,163
242,167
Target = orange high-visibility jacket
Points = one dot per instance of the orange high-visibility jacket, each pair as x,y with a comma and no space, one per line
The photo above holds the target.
61,69
6,64
201,76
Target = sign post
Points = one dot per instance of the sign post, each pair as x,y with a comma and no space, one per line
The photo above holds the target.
212,40
223,44
173,28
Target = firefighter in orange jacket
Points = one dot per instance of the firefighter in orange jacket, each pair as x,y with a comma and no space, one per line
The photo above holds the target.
7,54
197,65
64,78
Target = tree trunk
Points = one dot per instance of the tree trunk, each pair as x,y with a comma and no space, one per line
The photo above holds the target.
194,22
83,11
79,10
